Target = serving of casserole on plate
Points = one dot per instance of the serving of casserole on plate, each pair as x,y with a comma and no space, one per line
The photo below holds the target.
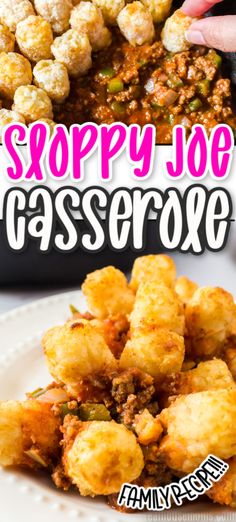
143,387
64,61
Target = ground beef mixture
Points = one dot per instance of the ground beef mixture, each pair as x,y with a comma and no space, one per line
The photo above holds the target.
125,394
146,84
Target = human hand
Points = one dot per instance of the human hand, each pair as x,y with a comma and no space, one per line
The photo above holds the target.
217,31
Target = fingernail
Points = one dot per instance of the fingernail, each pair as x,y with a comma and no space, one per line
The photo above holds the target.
195,37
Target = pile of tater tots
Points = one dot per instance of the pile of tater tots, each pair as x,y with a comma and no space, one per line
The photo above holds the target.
44,43
144,386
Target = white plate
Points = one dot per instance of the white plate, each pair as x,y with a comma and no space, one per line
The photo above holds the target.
27,497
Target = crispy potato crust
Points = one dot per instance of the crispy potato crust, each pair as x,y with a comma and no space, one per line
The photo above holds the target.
102,457
197,425
25,426
154,350
224,491
76,350
159,306
107,292
157,268
210,316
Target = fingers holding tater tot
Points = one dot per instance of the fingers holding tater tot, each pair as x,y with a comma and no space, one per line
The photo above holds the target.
173,33
158,268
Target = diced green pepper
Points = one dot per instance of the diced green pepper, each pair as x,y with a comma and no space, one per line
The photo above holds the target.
204,87
73,309
94,412
118,108
174,81
107,72
142,62
195,104
37,393
215,58
155,106
65,410
115,85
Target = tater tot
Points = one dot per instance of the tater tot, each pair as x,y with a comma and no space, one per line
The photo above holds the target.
159,268
110,9
173,33
159,9
209,315
56,12
154,350
197,425
157,305
34,37
136,24
52,77
102,457
29,433
224,491
7,39
14,11
147,427
76,350
33,103
107,292
87,18
15,71
7,117
74,50
230,359
185,289
208,375
50,123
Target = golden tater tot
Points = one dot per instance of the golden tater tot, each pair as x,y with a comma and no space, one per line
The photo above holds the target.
107,292
210,315
76,350
147,427
159,306
153,350
209,375
173,33
159,9
29,433
197,425
102,457
224,491
185,288
230,359
158,268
